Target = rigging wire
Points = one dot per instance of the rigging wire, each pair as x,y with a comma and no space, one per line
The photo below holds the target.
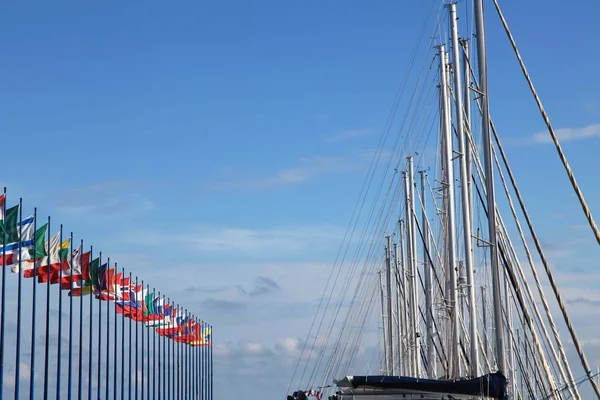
584,205
354,327
361,201
374,235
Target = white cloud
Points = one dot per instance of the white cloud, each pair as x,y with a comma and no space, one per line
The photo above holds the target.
290,346
254,348
24,372
568,134
308,168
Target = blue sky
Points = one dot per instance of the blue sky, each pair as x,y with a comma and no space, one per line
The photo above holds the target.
229,140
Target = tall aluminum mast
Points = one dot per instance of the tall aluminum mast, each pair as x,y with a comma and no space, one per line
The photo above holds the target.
465,196
414,267
390,310
385,352
489,178
398,309
430,372
450,230
405,326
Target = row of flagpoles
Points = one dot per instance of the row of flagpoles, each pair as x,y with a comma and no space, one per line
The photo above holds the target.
166,354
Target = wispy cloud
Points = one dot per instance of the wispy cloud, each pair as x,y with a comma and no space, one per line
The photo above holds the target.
565,134
262,285
242,241
585,301
308,168
349,134
206,289
108,197
223,305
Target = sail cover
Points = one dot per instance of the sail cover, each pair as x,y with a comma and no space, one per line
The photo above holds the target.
490,385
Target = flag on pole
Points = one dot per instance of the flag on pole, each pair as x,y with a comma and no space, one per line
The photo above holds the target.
35,248
22,241
48,263
2,204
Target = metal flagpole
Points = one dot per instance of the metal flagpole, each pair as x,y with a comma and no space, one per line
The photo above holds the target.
145,294
178,376
123,340
70,352
204,369
198,363
204,365
36,258
107,285
148,351
99,382
34,255
59,350
195,362
195,365
191,359
91,323
159,353
175,365
211,362
136,341
18,347
198,369
171,388
134,289
184,363
147,331
3,295
167,378
81,285
183,367
115,354
154,353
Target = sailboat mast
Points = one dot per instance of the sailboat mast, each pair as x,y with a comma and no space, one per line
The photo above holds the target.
405,327
412,324
468,131
464,177
413,272
489,178
390,310
430,371
385,354
399,313
410,327
486,344
450,231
